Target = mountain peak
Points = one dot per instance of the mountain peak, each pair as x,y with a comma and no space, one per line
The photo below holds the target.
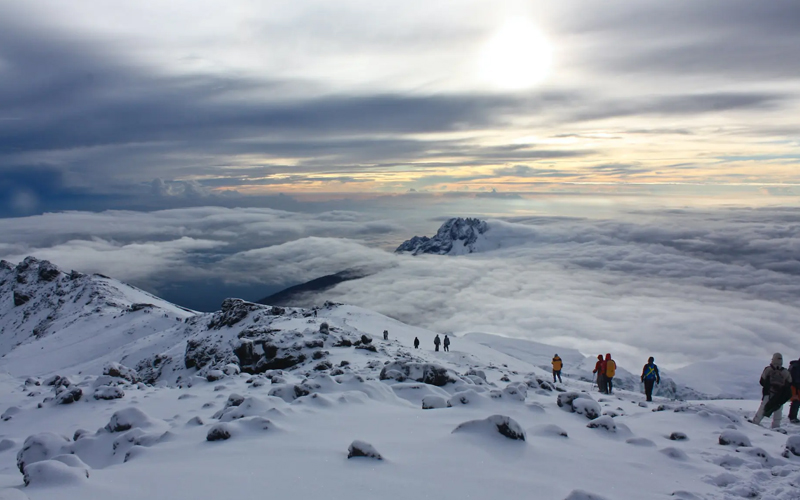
455,237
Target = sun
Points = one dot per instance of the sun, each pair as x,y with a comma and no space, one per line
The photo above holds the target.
516,57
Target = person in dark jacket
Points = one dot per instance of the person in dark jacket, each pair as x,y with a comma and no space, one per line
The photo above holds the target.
794,371
446,343
436,342
416,343
776,382
650,377
386,335
600,370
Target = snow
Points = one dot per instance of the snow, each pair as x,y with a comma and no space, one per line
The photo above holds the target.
290,430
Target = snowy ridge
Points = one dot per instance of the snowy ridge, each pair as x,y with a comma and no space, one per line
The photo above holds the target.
322,390
457,236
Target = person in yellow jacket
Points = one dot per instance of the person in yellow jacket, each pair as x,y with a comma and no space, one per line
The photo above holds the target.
557,364
611,370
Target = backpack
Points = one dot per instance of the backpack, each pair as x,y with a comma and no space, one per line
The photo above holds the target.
611,368
794,371
650,372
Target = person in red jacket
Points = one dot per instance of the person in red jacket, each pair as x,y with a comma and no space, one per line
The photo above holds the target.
600,370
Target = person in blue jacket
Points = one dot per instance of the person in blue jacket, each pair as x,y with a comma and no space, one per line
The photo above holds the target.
650,377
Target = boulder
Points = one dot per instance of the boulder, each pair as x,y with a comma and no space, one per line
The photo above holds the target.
431,402
108,392
9,413
605,423
678,436
501,424
69,395
121,371
42,446
426,373
214,375
793,446
219,432
128,418
589,408
363,449
730,437
53,473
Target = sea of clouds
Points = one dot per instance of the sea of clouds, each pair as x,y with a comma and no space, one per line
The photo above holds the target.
682,285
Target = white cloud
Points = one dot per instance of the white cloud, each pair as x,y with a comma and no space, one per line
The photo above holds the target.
683,286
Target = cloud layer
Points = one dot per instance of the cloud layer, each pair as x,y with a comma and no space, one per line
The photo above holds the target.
684,285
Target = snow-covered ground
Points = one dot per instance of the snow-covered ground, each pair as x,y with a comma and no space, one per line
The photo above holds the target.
198,429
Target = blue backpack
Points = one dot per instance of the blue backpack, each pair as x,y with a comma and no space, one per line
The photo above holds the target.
650,372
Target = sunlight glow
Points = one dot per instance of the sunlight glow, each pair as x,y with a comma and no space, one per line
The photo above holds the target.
518,56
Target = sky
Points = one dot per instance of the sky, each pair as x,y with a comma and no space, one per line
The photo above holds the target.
641,158
148,105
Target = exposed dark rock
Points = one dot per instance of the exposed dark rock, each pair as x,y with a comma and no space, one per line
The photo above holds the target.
232,312
120,371
20,298
678,436
140,306
69,395
367,347
363,449
365,339
343,342
219,432
325,365
420,372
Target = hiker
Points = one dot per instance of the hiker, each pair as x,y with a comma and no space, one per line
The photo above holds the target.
557,364
386,335
650,377
776,385
436,342
600,370
446,343
611,370
416,343
794,371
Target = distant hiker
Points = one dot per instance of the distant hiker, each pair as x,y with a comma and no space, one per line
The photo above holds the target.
600,370
386,335
416,343
446,343
557,364
650,377
611,370
794,371
436,342
776,383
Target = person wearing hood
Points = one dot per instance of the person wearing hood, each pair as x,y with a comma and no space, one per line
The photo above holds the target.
557,364
436,342
610,371
776,390
794,371
416,343
650,377
600,370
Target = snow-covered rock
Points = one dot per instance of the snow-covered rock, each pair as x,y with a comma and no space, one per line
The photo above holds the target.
119,370
730,437
219,432
793,446
587,407
42,446
433,402
128,418
583,495
108,392
421,372
605,423
53,473
495,424
363,449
